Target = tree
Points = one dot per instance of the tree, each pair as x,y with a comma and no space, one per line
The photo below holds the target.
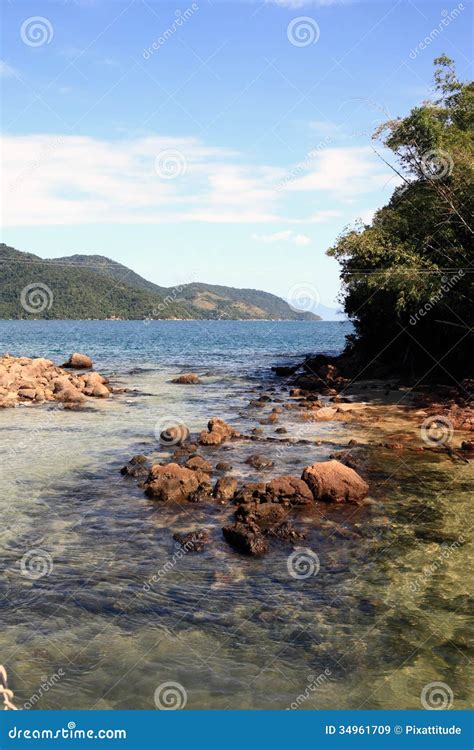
408,276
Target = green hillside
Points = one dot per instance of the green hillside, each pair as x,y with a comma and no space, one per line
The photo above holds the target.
92,286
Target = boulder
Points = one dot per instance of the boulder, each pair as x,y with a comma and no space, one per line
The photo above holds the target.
217,432
223,466
331,481
253,491
288,488
264,515
225,489
188,378
198,463
78,361
246,538
173,482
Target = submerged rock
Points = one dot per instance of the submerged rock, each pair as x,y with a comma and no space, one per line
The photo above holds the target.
198,463
174,435
246,538
188,378
195,541
331,481
259,462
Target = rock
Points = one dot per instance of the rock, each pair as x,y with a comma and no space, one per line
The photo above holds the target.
259,462
223,466
29,393
69,394
198,463
138,459
98,391
467,445
225,489
195,541
217,432
172,482
331,481
282,370
264,515
326,413
281,430
174,435
286,532
188,378
78,361
253,491
134,470
288,488
246,538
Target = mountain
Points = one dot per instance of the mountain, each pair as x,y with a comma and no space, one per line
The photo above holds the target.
93,286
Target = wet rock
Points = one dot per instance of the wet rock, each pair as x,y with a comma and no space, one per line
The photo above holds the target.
468,446
173,482
78,361
188,378
225,489
253,491
217,432
263,515
246,538
198,463
195,541
345,458
331,481
223,466
134,470
288,488
259,462
286,532
281,430
283,370
138,459
174,435
257,431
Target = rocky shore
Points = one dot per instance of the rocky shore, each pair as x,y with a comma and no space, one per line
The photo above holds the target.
35,381
258,514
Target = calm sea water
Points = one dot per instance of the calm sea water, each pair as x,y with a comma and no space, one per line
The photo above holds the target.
374,624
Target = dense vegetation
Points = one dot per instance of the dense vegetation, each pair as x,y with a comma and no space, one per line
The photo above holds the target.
407,277
91,286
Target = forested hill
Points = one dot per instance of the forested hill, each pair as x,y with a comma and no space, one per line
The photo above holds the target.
92,286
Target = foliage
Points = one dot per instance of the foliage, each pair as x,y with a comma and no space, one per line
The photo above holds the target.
407,277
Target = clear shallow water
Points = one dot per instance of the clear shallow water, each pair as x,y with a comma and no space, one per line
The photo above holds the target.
235,632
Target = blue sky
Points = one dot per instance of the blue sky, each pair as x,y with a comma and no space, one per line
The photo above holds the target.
213,141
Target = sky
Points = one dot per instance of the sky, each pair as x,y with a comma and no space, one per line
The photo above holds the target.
222,142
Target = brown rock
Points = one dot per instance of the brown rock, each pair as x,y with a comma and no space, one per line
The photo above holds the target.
289,488
259,462
78,361
246,538
188,378
331,481
175,435
172,482
223,466
264,515
198,463
195,541
225,489
217,432
253,491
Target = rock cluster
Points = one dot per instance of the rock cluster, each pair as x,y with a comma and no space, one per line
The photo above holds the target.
24,380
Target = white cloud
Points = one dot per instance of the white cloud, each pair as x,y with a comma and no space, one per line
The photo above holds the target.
284,236
70,180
